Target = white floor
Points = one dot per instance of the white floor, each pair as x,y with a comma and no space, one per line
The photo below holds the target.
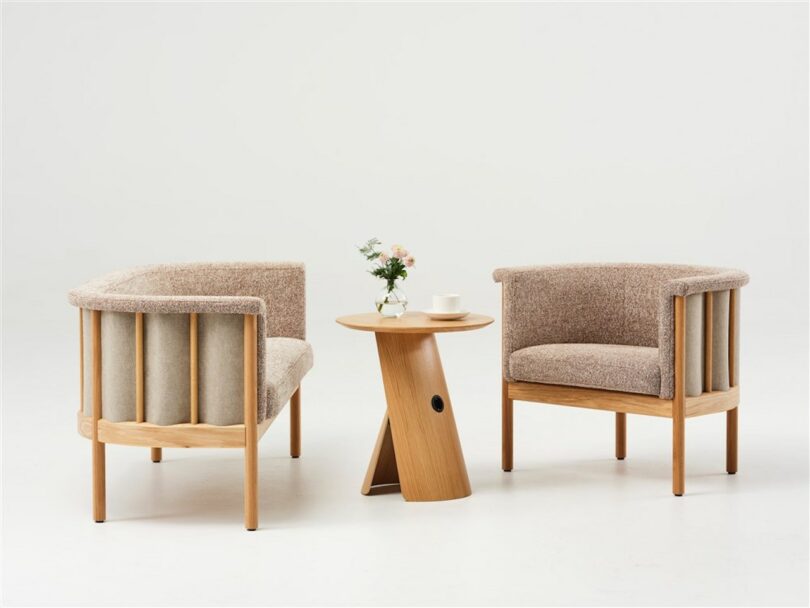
570,526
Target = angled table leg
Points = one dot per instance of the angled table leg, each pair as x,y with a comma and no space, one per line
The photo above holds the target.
426,448
382,476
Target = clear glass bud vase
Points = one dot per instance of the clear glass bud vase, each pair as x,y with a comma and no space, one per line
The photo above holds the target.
391,301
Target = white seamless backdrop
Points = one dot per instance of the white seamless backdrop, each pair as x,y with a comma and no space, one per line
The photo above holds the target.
478,135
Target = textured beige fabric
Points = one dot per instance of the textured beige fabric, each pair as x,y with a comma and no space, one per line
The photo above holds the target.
273,291
277,289
735,380
221,355
629,304
631,369
118,366
288,361
694,345
87,352
167,380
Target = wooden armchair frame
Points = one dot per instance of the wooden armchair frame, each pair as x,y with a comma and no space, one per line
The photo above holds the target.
186,435
100,297
678,408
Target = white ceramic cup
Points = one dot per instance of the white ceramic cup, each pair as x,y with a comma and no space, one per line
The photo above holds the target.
450,302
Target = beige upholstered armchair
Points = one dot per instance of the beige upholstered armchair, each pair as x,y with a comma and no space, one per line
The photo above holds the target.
659,340
191,355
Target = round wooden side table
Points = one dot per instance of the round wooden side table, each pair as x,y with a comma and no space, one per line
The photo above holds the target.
418,446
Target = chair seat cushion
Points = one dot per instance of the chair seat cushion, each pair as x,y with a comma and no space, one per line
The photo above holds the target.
613,367
287,362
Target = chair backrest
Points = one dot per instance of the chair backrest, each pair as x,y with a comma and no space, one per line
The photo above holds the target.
279,284
172,338
593,303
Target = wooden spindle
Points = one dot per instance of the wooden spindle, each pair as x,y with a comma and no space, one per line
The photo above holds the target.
99,490
507,405
732,421
678,401
140,410
732,337
251,433
193,358
708,341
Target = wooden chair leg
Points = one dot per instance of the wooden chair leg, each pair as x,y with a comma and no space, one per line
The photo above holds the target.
99,456
157,454
621,435
295,424
731,441
99,482
679,398
678,461
251,487
251,430
507,426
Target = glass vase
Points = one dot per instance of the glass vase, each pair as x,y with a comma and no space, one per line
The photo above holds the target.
391,302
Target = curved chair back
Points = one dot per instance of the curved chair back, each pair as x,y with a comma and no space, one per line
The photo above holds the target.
623,304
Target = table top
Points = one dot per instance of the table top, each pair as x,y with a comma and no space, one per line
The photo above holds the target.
412,323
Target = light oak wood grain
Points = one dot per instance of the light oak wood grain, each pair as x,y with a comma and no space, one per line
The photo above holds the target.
185,435
194,369
678,401
507,428
428,451
99,456
84,424
712,403
731,441
411,323
382,469
613,401
140,411
621,435
732,414
251,432
732,337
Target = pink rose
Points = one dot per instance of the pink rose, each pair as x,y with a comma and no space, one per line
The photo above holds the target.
409,261
383,258
399,251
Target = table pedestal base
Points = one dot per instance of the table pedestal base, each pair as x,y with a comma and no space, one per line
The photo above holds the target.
418,445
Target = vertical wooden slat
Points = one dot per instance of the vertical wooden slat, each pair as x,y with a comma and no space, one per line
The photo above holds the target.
139,399
678,402
732,336
251,439
708,341
194,384
621,435
732,416
81,360
507,405
99,502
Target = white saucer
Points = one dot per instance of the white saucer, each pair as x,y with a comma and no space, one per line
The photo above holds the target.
445,316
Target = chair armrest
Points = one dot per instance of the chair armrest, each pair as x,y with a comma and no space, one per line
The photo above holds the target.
724,287
720,281
524,300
